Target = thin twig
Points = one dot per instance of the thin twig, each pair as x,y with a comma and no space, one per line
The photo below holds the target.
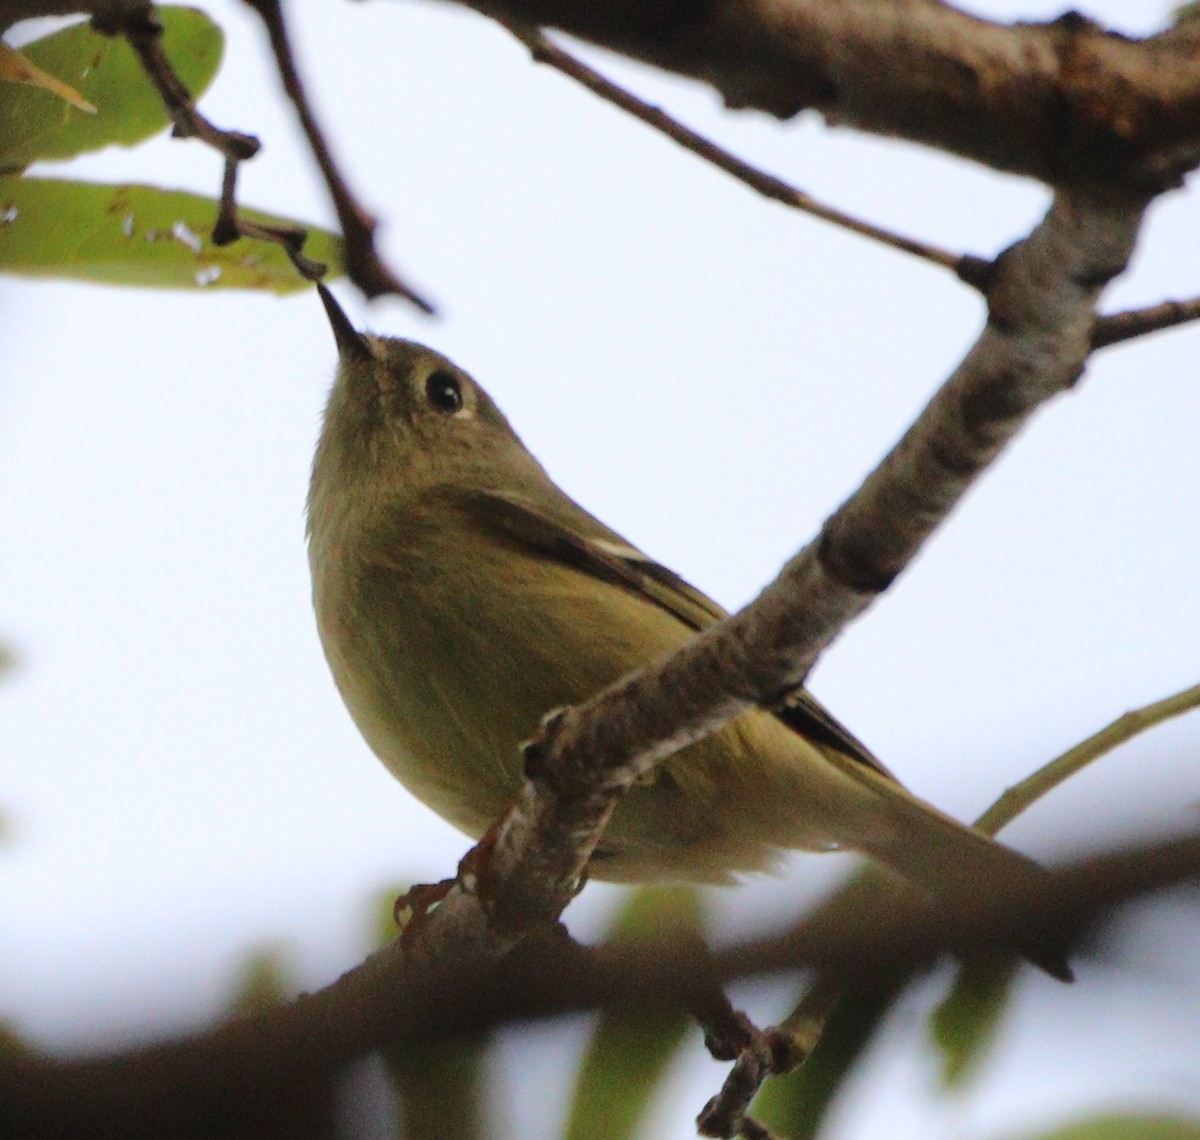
143,32
725,1114
974,271
765,1053
230,226
363,263
1138,322
858,895
1017,798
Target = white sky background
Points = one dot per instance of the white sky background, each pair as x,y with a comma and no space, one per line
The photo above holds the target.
709,373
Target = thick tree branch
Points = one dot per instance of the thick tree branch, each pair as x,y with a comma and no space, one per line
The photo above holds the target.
1065,102
247,1076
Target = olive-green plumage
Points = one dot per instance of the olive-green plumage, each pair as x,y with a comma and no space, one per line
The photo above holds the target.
460,595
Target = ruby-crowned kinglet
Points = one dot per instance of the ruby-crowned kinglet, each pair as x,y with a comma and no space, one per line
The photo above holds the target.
460,595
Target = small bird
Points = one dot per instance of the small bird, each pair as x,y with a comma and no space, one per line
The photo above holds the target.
460,595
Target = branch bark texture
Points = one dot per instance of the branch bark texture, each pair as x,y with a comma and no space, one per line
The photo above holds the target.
1066,102
1041,315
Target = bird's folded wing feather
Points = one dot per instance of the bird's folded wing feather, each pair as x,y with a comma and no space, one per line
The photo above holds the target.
579,540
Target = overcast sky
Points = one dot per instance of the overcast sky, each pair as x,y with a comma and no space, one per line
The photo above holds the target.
709,373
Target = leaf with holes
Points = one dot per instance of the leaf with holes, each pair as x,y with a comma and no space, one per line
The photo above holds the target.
141,235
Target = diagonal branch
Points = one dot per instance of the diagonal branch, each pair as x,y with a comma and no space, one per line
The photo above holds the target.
972,270
1035,345
363,263
143,32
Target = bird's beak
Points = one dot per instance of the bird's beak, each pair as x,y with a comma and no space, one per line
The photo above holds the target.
350,341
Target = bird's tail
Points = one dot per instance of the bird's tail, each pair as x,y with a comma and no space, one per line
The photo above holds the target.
954,862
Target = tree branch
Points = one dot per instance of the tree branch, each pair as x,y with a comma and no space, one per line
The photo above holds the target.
252,1073
1017,798
141,29
1120,327
363,263
1034,346
972,270
1065,102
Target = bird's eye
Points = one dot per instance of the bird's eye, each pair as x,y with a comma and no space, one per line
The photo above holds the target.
444,392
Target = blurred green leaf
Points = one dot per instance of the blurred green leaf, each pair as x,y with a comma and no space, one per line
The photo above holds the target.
440,1086
630,1051
17,68
1184,13
264,982
965,1023
1121,1127
141,235
34,125
12,1045
440,1089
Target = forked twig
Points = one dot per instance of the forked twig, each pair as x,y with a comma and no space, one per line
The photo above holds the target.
142,30
792,1040
974,271
230,226
363,263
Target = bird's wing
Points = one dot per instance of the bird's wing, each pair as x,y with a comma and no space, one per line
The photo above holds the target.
577,539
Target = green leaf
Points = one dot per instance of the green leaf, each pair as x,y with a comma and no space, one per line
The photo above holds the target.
37,126
16,68
964,1024
264,982
440,1086
12,1046
1119,1127
630,1050
140,235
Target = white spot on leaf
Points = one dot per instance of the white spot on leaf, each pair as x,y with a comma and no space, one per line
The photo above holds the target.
182,234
